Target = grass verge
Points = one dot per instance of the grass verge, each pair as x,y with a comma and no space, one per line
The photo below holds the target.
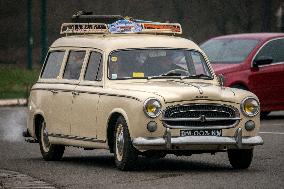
15,81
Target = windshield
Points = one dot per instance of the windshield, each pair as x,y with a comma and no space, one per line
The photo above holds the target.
228,50
157,63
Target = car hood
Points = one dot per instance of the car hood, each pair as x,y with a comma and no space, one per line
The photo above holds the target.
225,68
176,91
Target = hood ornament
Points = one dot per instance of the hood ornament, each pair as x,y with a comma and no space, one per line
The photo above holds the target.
198,87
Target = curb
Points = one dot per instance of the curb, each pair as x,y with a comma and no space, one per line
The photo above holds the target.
13,102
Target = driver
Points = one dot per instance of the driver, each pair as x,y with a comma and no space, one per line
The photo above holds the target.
161,65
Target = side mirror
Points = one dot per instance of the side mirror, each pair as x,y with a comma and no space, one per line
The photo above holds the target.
262,60
221,80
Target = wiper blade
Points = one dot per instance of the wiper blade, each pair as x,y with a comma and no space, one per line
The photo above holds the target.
199,76
164,77
171,74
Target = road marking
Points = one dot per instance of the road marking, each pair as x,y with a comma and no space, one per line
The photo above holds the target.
276,124
274,133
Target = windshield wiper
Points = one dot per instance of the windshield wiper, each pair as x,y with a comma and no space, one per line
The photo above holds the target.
199,76
164,77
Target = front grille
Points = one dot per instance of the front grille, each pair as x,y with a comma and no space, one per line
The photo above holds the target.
200,116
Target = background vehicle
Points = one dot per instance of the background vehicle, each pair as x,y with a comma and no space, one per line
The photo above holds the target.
253,62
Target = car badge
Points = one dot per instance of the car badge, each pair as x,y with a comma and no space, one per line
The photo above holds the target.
202,118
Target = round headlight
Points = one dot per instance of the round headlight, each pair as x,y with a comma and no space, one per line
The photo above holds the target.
250,106
152,107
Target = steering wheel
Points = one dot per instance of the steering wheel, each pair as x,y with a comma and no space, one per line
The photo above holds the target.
181,71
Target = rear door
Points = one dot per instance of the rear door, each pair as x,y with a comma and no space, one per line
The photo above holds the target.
86,97
56,100
267,81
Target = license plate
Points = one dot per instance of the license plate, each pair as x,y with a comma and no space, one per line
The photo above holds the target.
206,132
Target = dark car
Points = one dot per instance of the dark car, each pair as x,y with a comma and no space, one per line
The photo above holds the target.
253,62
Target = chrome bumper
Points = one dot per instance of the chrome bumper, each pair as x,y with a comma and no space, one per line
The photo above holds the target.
170,143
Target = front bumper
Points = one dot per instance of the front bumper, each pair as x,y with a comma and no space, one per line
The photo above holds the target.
191,142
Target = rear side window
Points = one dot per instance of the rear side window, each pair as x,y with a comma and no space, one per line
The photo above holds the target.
273,49
94,71
74,65
53,64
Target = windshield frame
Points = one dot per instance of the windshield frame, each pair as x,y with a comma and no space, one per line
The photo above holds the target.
206,63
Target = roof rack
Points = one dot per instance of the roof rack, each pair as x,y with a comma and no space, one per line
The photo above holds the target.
83,28
86,23
88,17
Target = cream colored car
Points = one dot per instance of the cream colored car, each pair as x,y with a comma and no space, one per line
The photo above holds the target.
138,94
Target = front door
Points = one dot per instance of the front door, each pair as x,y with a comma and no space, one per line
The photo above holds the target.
267,80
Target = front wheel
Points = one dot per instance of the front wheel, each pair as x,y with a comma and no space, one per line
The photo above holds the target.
50,152
240,159
124,152
264,115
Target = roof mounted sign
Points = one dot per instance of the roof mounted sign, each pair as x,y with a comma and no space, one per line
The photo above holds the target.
127,25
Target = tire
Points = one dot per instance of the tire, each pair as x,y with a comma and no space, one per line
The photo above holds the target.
239,87
264,115
154,154
240,159
49,152
125,154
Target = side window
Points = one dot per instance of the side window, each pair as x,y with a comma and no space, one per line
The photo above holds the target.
74,65
273,49
52,65
94,68
199,63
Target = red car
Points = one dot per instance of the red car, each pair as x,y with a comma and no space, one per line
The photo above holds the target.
253,62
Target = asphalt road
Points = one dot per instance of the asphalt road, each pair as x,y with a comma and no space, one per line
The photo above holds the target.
95,169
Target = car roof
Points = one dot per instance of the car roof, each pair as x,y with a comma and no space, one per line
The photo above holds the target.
112,42
258,36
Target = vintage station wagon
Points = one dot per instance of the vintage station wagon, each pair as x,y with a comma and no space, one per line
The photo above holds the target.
136,89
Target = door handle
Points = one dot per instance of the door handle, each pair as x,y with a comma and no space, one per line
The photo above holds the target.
54,91
75,93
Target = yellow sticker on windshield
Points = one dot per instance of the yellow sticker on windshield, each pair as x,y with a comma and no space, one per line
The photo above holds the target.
114,59
137,74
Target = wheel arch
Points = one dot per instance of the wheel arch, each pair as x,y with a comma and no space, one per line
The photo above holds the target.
38,118
239,83
114,115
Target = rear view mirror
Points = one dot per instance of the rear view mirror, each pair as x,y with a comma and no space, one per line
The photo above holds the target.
262,60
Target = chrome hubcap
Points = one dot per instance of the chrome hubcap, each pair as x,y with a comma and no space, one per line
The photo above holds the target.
44,138
119,142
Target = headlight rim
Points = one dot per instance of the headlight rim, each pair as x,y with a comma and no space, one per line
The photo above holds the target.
243,110
145,110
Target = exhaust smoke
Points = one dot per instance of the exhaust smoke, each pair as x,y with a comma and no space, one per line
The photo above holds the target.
12,123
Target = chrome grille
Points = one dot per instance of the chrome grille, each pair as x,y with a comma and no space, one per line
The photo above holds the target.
200,116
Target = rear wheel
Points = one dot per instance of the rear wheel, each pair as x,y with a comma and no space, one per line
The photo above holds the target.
240,159
50,152
124,152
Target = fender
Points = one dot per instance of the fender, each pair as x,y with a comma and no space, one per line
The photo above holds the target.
123,113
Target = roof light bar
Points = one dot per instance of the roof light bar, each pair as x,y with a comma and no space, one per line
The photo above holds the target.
122,26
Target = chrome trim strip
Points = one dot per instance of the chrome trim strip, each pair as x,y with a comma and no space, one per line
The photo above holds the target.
200,119
87,92
143,143
76,138
200,127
